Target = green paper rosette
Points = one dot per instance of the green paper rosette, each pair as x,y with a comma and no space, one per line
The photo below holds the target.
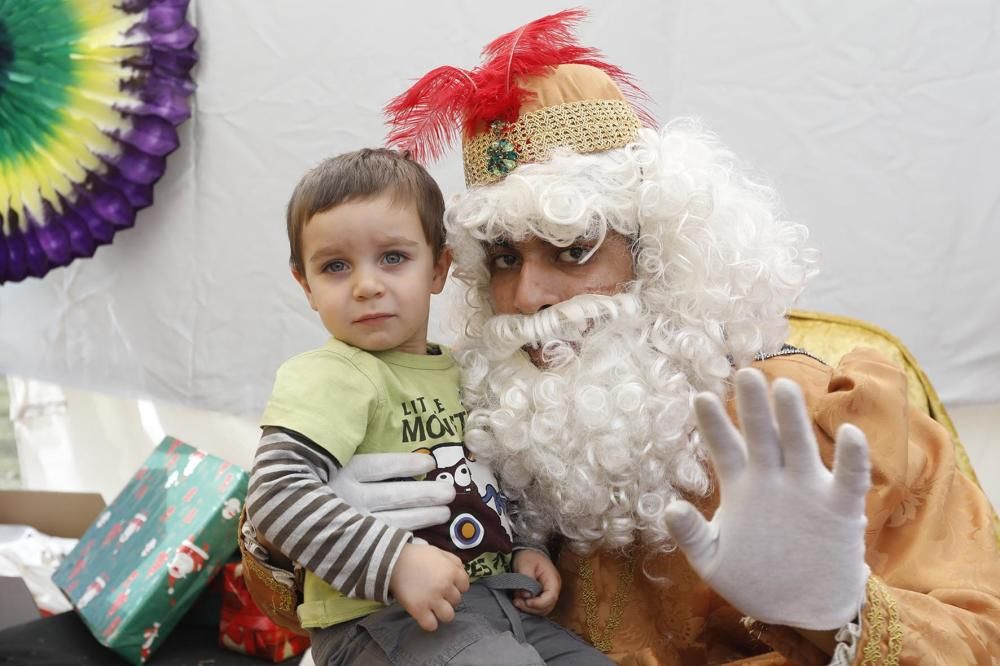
91,94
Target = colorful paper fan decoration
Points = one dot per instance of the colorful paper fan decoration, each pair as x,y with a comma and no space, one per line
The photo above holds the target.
91,93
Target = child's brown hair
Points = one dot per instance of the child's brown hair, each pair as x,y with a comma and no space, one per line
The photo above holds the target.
360,175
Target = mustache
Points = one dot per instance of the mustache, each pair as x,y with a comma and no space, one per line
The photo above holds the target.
568,321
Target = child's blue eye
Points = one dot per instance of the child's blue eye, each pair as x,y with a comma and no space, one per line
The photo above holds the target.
394,258
335,266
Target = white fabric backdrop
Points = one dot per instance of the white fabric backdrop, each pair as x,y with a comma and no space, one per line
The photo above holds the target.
879,122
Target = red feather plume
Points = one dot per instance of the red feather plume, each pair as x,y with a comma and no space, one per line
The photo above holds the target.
425,119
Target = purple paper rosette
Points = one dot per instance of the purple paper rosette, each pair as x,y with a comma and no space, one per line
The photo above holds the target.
91,94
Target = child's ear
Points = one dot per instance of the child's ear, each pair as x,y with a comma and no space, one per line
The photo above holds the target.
301,279
441,267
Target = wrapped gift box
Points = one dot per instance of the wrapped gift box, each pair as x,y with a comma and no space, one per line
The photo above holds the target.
146,558
245,628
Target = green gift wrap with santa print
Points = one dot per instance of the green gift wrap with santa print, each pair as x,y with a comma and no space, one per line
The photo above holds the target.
146,559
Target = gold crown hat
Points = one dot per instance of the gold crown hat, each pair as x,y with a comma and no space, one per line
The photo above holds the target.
537,90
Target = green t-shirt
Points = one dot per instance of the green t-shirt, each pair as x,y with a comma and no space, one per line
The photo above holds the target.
350,401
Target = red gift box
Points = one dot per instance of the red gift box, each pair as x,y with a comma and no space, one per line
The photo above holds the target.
244,628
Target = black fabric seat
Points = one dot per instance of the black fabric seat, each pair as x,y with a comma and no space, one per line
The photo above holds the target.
64,640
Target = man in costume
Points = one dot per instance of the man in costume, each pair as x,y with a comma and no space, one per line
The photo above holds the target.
617,271
626,282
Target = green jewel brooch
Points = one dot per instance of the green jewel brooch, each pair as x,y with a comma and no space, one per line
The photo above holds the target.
501,157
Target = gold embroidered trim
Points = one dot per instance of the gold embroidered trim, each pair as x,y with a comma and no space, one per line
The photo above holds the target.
588,126
895,629
602,639
284,598
882,614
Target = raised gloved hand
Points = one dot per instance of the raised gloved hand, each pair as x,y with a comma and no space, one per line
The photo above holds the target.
409,505
786,545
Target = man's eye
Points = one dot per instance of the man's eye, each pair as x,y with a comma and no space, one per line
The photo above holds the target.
335,266
573,255
503,261
394,258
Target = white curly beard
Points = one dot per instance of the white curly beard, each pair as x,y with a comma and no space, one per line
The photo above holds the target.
596,444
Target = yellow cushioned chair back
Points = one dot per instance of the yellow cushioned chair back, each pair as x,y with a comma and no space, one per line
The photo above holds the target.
829,337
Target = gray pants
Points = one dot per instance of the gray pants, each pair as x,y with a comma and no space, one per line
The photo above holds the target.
480,635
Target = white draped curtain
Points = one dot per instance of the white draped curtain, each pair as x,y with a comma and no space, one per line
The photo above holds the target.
878,122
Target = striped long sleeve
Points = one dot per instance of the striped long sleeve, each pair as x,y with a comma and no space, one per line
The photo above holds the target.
290,503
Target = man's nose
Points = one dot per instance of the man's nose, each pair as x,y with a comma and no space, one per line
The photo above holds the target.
367,284
536,287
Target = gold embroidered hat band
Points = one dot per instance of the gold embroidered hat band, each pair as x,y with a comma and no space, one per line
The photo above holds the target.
592,124
536,91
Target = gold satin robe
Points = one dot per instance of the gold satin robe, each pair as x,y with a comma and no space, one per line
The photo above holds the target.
934,594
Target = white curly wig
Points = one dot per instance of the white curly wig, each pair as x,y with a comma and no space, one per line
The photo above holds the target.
596,444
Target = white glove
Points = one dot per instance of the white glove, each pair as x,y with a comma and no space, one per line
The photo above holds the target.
406,505
786,545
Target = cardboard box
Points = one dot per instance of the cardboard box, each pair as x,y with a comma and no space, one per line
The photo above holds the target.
58,514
